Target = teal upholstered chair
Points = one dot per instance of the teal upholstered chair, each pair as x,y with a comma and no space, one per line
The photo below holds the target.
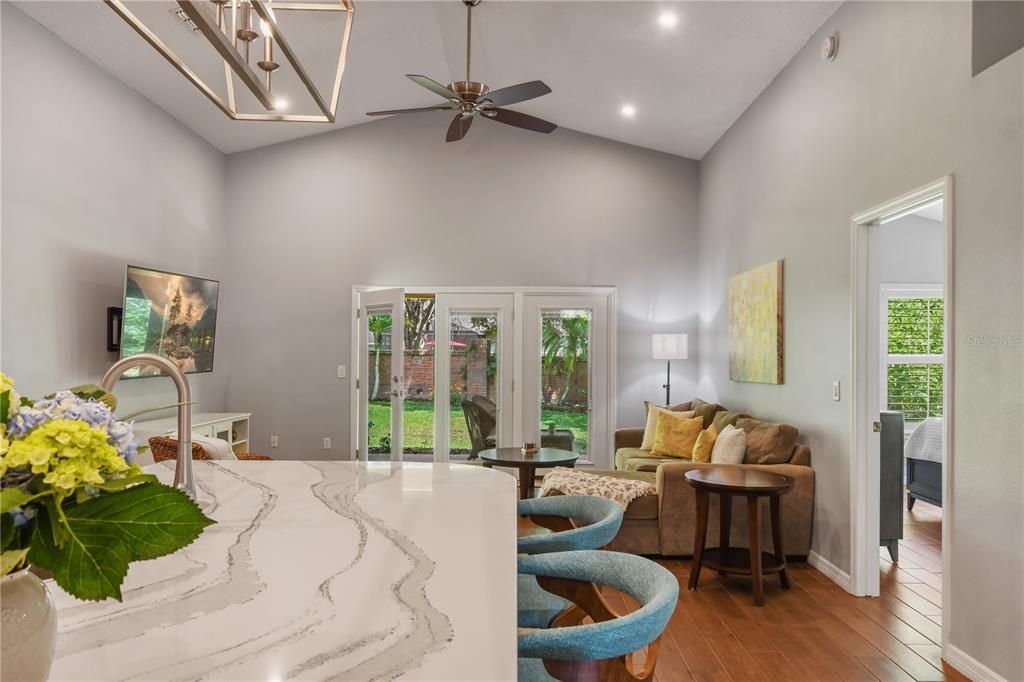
601,519
600,650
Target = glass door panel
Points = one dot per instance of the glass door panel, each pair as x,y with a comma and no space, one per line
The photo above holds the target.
420,356
565,380
473,392
381,376
566,374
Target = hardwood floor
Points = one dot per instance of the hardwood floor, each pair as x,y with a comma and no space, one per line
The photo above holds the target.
815,630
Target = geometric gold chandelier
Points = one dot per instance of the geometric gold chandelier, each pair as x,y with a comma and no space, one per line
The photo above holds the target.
231,27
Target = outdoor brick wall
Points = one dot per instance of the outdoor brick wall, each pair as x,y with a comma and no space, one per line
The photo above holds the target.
468,373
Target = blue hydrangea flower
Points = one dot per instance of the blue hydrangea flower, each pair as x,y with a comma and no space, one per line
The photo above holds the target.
66,405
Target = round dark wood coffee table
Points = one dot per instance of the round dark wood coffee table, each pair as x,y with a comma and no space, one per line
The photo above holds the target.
527,463
752,484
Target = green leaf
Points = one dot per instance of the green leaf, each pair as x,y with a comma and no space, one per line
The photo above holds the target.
122,483
153,519
6,530
44,547
5,406
92,564
86,564
16,497
11,559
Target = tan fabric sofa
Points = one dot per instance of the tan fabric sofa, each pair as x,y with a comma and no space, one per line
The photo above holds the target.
664,523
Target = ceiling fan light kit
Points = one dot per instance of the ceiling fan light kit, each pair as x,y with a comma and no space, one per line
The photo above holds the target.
233,44
469,98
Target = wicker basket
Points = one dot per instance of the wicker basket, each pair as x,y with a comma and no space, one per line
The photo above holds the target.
165,448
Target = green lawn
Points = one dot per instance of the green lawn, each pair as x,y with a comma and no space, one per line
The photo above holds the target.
419,426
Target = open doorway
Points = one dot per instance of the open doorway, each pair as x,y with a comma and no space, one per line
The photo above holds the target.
902,397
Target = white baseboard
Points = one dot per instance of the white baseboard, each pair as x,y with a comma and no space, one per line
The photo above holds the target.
976,670
831,571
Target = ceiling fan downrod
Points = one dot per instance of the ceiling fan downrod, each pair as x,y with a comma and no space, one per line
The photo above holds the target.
470,4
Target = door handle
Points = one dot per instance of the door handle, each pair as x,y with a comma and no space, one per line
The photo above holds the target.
876,427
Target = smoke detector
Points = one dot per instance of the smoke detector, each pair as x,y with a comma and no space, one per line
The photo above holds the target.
830,47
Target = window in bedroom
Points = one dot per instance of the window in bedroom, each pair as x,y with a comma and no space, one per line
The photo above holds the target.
912,336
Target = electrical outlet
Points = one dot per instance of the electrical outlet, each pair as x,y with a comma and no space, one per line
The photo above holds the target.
273,441
341,371
835,390
327,443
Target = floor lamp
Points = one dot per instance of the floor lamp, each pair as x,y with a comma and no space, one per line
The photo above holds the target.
669,347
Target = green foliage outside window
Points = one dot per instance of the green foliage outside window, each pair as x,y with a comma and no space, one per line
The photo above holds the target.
915,329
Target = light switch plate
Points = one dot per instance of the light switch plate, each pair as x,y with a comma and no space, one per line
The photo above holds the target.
341,371
835,390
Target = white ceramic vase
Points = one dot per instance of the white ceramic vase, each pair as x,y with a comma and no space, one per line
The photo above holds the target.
29,628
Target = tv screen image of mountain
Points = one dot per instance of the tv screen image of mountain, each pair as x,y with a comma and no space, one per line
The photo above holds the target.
172,315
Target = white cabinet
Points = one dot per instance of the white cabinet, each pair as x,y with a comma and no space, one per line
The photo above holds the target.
232,427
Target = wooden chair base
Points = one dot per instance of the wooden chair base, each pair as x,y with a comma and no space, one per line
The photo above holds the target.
588,601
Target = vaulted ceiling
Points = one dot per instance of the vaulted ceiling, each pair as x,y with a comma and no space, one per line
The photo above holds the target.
687,83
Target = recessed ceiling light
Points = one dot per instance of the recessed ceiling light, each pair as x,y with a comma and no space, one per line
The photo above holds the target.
627,111
668,20
280,104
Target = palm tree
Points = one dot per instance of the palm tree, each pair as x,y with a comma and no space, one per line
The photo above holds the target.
378,325
565,341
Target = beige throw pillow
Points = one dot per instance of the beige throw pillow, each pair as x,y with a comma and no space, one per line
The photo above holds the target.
651,429
730,446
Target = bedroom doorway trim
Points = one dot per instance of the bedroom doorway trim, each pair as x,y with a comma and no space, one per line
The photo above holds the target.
864,460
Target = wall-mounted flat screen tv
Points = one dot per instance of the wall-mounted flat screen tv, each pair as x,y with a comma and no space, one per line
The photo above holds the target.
169,314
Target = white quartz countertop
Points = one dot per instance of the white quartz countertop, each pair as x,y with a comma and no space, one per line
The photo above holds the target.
316,570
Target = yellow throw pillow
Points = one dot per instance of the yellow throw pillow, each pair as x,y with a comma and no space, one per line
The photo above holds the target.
704,445
676,435
652,423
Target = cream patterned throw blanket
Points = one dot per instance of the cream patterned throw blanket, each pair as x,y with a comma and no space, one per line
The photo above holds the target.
572,482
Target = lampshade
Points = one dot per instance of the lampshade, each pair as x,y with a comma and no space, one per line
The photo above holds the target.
669,346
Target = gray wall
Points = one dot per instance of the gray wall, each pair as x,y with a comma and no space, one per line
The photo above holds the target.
390,203
897,110
94,176
909,250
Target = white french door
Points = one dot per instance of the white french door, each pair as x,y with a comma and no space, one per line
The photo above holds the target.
544,358
474,359
566,360
381,389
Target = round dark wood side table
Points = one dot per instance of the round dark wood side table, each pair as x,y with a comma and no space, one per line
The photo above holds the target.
753,485
527,463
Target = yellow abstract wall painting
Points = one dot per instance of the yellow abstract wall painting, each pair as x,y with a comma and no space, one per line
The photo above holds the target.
755,325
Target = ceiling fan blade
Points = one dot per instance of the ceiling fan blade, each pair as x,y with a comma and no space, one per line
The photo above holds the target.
521,120
517,93
408,111
433,86
459,127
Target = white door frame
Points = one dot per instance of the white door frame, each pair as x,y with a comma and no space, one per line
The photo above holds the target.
864,465
518,294
392,299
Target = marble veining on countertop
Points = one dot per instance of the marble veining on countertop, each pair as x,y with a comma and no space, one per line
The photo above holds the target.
316,570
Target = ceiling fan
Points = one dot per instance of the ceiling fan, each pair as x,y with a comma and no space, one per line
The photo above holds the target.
469,98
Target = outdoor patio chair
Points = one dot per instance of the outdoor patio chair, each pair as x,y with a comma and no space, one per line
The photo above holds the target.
481,427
